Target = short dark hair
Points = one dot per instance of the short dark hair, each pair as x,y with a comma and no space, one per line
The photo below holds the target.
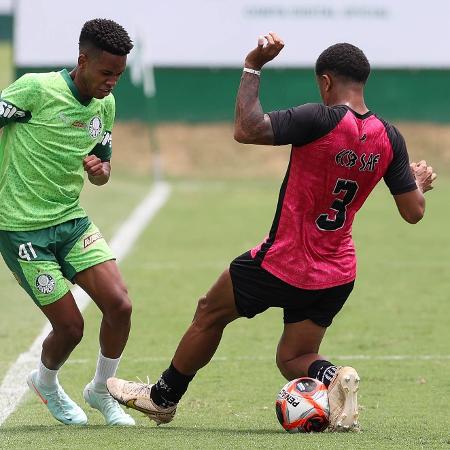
344,60
106,35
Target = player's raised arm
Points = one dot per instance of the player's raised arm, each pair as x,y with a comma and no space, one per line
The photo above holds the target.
251,125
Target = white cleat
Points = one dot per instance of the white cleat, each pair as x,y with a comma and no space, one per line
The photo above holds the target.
100,399
343,400
60,405
137,396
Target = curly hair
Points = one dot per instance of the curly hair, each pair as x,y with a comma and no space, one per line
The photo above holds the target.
106,35
344,60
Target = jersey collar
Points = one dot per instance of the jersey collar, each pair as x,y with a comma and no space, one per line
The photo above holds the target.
75,92
359,116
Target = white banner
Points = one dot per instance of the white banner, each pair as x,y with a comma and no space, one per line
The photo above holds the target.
218,33
6,7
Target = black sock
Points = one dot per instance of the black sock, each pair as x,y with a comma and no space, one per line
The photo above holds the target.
170,387
322,370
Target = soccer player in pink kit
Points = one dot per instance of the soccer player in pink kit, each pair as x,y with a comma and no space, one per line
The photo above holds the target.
307,264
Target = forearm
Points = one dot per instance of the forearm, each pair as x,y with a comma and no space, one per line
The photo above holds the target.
411,205
249,115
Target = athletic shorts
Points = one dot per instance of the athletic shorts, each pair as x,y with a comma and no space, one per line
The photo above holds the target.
256,290
42,260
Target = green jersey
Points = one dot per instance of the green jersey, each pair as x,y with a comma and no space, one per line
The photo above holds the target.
48,132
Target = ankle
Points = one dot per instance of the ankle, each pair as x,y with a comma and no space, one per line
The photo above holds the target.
170,387
98,387
106,368
47,379
323,371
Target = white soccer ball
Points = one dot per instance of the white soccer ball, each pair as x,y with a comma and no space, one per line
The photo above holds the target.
302,406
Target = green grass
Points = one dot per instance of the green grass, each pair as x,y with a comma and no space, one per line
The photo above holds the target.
399,308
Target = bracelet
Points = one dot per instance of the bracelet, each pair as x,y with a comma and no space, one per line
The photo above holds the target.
253,71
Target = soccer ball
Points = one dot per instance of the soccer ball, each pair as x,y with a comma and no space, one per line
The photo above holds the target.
302,406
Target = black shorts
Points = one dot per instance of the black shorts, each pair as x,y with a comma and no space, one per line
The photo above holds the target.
256,290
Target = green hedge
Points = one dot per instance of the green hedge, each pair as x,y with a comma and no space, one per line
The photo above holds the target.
202,94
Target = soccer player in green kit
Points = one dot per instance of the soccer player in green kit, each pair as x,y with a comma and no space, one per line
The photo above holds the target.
57,126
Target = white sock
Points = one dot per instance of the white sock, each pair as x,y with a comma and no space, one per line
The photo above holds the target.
106,368
47,378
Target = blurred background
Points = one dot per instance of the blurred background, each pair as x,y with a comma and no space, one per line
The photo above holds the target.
175,103
175,107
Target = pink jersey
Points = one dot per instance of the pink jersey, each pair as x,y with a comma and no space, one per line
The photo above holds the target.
337,158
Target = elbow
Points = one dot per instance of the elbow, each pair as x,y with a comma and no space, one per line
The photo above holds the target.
242,138
411,206
414,217
238,137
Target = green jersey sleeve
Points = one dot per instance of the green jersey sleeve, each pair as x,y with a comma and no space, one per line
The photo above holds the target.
19,99
103,149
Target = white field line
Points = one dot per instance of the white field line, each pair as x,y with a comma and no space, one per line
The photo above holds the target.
149,359
14,385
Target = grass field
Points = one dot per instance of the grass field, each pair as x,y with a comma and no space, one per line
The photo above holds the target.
394,329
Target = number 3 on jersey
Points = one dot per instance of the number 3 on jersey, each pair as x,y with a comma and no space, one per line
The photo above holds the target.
24,253
350,188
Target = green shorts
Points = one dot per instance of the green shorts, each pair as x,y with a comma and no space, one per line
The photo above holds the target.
41,260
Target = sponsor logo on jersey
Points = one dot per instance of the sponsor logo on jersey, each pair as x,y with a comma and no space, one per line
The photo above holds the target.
346,158
45,283
8,111
369,162
78,124
91,239
366,162
95,127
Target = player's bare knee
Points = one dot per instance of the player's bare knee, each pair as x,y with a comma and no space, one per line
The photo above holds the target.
211,313
119,308
282,366
286,366
206,318
72,333
203,307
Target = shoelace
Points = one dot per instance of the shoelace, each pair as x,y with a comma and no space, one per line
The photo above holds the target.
140,381
141,388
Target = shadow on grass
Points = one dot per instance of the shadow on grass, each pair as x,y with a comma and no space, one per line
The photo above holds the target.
29,429
234,431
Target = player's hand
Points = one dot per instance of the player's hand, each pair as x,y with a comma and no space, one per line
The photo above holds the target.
269,46
424,175
94,166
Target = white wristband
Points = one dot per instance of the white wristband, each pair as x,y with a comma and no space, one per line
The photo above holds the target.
253,71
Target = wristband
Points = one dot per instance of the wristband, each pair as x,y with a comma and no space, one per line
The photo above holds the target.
253,71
